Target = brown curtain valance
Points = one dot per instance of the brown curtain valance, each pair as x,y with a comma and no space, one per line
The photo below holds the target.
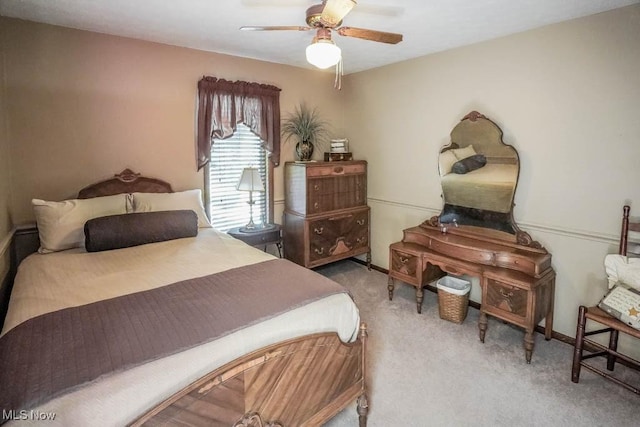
223,104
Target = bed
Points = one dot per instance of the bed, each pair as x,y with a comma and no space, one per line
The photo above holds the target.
488,188
268,352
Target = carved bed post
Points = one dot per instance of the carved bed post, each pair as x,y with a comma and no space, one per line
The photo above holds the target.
363,403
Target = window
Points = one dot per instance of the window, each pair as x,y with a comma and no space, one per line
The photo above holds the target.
226,111
228,207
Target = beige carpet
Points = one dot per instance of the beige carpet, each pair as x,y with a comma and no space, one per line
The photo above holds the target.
425,371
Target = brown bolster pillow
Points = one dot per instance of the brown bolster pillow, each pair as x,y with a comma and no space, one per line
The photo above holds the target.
133,229
469,164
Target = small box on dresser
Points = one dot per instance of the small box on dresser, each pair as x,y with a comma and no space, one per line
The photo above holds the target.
326,217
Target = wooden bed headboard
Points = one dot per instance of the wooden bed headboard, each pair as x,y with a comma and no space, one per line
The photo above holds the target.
25,241
126,181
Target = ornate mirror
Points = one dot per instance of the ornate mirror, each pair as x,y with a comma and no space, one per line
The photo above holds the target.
479,175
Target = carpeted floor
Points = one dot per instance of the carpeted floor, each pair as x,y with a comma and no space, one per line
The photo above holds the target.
425,371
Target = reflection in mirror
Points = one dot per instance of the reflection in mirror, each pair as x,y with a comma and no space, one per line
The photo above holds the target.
479,174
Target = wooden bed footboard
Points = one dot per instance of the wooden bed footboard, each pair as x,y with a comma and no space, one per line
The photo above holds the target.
300,382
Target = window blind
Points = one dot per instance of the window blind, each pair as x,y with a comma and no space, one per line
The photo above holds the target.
228,206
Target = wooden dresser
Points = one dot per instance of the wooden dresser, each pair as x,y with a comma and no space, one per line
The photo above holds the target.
326,217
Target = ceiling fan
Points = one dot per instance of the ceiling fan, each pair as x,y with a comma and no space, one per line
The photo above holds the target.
324,18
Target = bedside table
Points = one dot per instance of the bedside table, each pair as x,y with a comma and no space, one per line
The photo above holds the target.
261,237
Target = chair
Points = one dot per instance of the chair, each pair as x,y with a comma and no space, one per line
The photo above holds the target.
611,325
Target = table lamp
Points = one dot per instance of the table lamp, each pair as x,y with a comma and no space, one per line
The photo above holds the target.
250,181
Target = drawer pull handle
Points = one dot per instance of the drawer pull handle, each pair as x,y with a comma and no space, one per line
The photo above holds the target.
316,187
404,260
338,169
360,221
361,240
315,205
335,218
319,251
318,230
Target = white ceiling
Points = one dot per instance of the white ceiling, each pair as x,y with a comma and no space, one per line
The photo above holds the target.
428,26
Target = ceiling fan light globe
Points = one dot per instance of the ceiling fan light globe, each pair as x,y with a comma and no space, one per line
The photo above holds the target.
323,54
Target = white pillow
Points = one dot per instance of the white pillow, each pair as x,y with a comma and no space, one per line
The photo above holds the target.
620,268
189,199
446,161
61,224
463,153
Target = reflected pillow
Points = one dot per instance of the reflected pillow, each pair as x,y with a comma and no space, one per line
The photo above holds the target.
463,153
446,161
181,200
469,164
60,224
134,229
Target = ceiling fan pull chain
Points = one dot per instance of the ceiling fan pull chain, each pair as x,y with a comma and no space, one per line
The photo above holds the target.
337,84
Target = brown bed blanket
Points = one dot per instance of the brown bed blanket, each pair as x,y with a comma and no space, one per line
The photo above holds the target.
58,352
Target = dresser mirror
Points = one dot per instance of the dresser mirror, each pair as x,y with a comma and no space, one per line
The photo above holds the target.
479,175
475,234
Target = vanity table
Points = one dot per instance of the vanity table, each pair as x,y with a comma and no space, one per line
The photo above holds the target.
518,283
475,234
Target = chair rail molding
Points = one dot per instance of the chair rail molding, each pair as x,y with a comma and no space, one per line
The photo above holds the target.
595,236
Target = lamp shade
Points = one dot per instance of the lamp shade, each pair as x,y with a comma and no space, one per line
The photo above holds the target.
250,180
323,53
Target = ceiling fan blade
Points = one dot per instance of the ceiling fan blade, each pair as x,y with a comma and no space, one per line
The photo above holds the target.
335,10
275,28
376,36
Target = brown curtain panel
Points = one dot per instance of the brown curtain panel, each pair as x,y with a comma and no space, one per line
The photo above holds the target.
223,104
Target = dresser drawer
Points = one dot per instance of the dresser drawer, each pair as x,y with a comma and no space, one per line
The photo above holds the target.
337,170
513,262
329,193
502,298
404,263
338,234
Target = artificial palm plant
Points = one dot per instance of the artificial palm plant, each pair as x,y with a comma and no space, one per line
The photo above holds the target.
308,127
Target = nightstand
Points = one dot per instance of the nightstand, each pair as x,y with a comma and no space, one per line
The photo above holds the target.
270,235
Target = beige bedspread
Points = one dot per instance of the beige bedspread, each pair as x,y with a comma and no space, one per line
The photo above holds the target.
54,281
489,188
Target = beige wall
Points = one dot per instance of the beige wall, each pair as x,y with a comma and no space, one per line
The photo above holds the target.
5,171
567,96
85,106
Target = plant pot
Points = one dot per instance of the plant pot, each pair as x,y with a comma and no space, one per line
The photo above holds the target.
304,150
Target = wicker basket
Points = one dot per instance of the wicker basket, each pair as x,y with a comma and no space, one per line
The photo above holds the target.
453,298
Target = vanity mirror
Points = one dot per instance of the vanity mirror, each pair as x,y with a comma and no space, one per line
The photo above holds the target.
479,175
475,234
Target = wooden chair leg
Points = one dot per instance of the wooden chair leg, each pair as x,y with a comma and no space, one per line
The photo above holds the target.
577,351
613,345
